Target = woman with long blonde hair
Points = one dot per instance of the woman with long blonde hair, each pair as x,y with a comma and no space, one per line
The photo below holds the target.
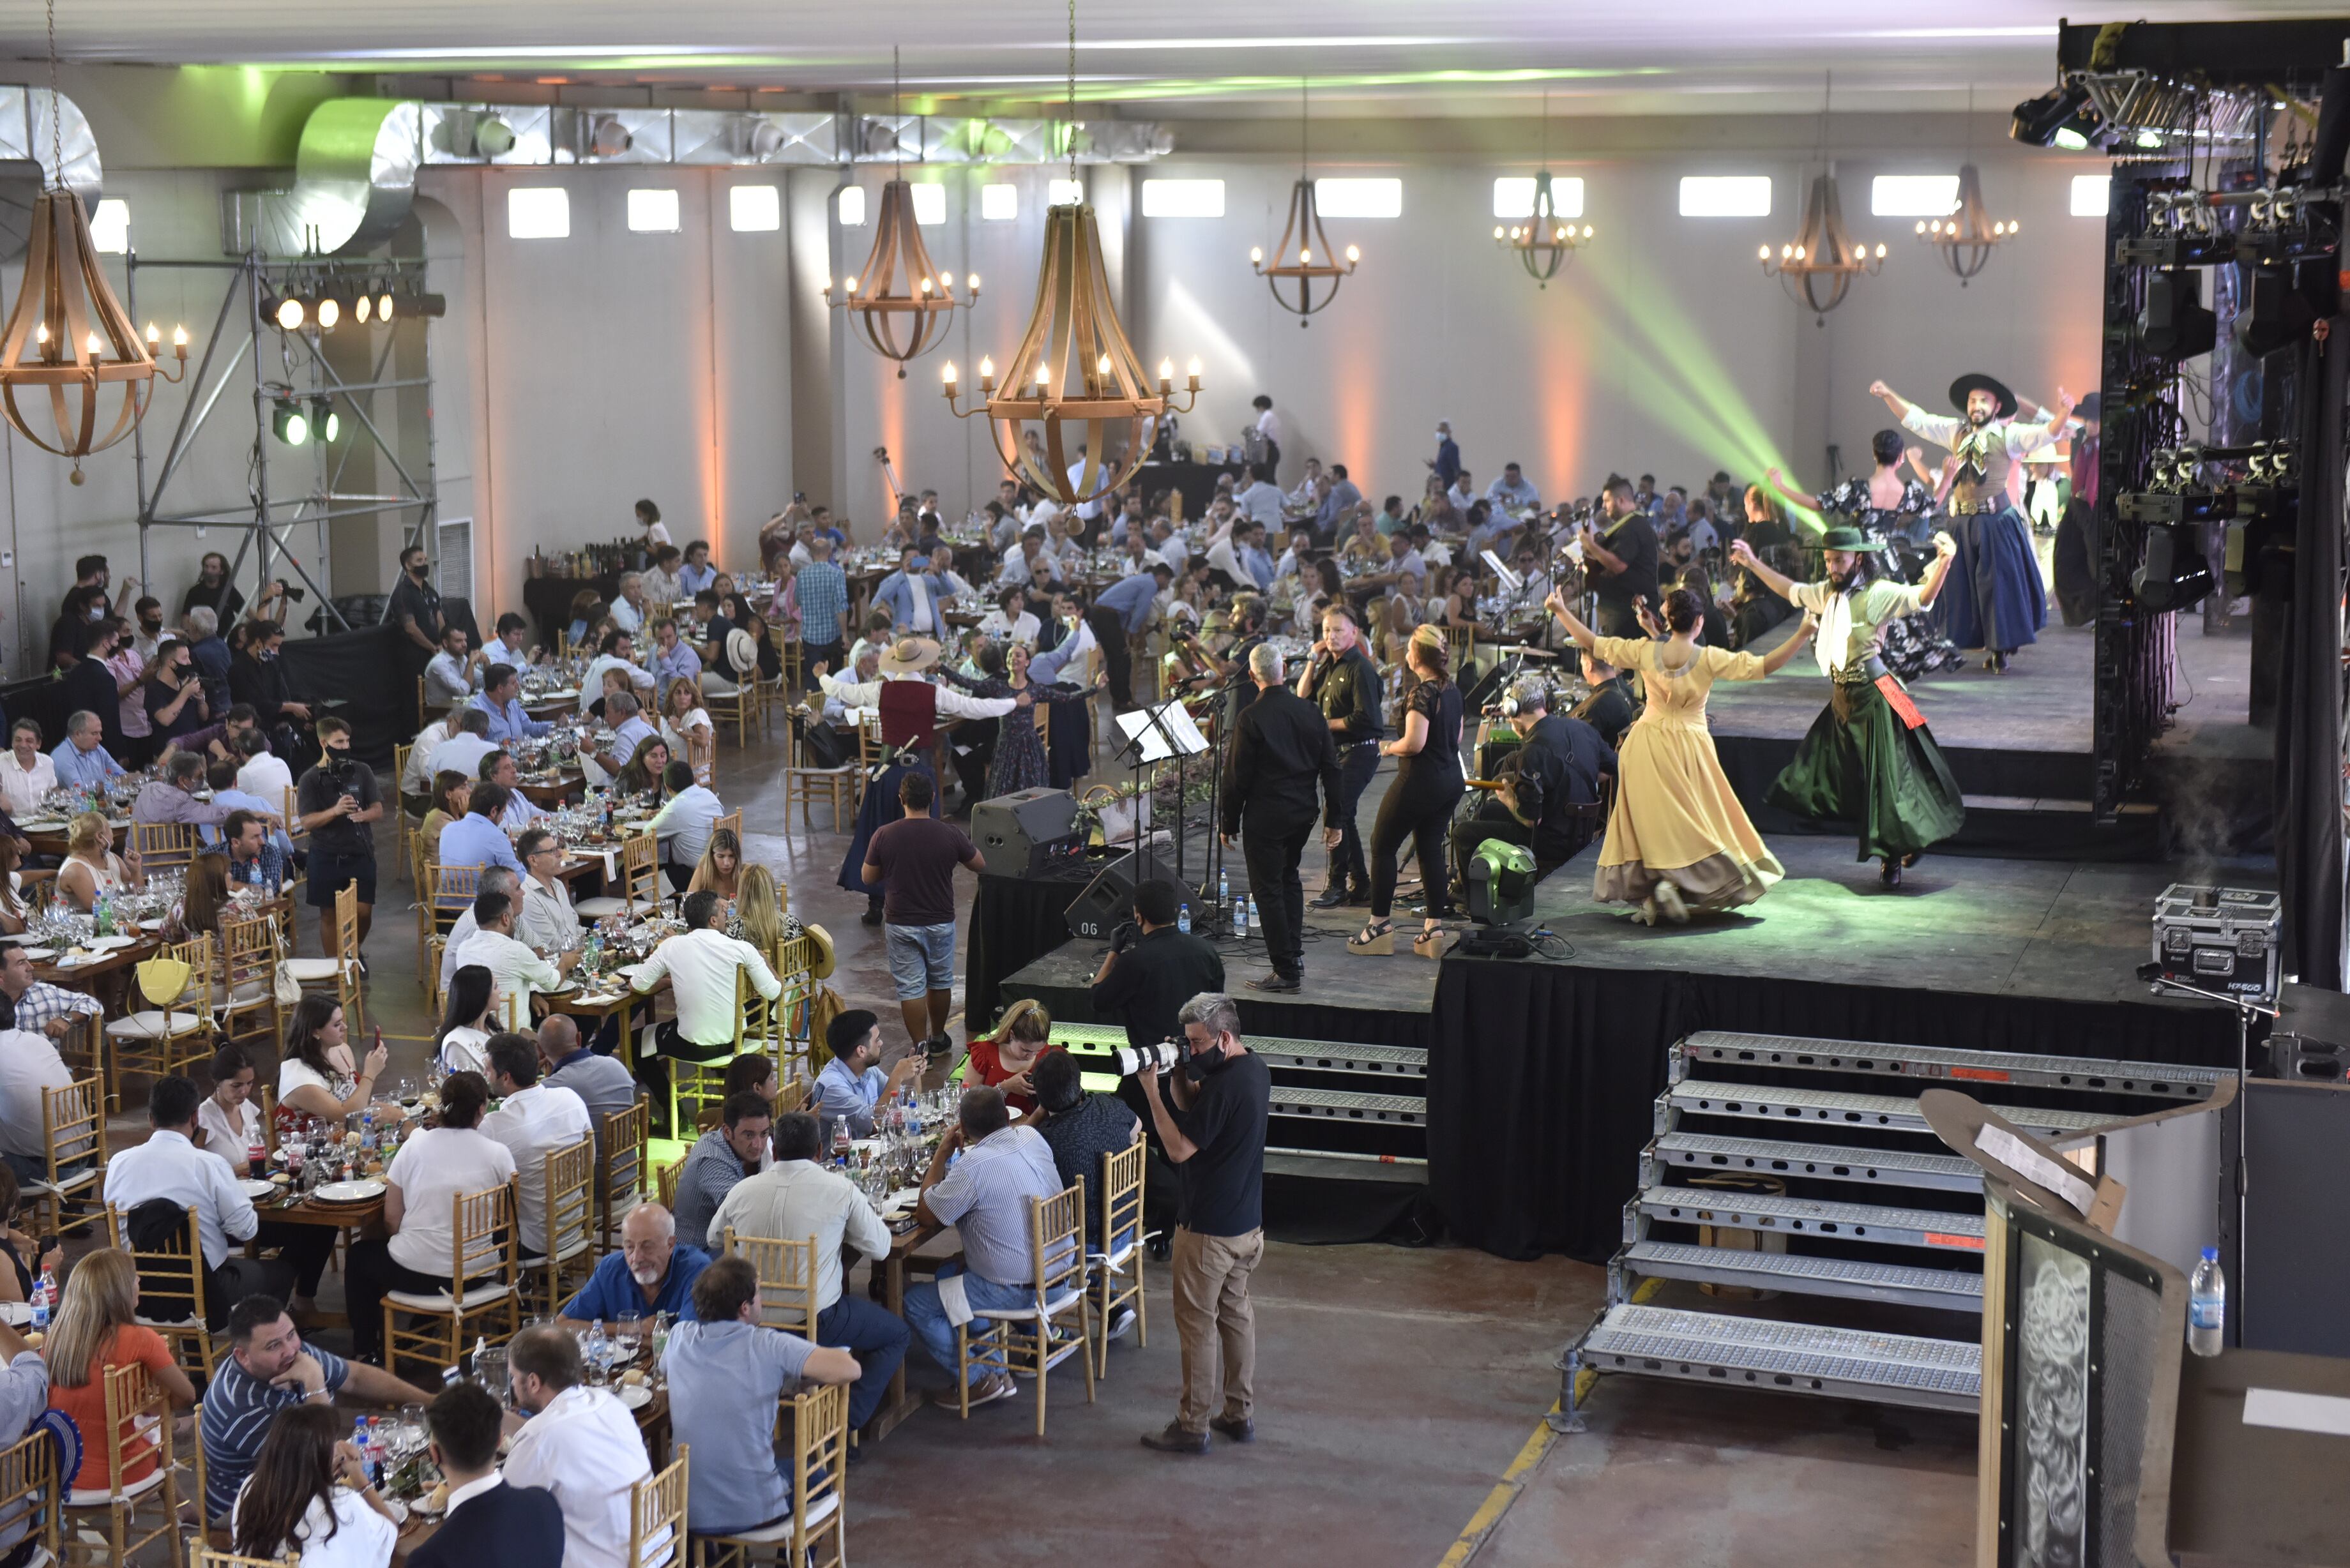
96,1331
720,869
1001,1060
686,725
91,866
760,907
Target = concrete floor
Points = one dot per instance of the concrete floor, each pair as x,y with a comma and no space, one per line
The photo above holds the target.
1394,1387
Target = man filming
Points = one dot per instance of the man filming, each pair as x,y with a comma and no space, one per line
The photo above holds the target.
1210,1115
1555,767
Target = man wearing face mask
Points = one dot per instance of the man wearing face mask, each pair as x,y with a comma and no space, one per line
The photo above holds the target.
1447,460
340,802
1999,603
1210,1115
415,615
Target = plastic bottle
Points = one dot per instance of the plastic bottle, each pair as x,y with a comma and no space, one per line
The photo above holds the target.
1183,917
2207,1305
593,1351
1223,886
44,1291
1240,918
660,1336
840,1141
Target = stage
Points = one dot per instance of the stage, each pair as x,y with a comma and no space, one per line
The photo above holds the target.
1542,1072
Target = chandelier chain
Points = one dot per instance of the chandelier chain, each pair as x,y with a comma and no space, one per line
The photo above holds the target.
57,112
1071,131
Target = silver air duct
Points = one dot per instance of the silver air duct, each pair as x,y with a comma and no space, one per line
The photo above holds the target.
33,137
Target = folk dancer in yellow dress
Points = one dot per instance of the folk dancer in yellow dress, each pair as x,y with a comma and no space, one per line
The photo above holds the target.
1678,840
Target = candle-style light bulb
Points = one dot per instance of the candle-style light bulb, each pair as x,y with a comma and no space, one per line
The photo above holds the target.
947,373
1766,253
972,283
925,288
1497,231
154,338
91,345
1192,370
1256,254
1305,255
1166,371
986,368
1101,366
180,341
1354,255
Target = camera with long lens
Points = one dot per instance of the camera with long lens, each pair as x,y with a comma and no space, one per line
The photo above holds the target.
1133,1059
293,594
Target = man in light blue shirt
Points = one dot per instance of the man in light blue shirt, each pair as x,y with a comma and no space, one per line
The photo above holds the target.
81,757
1259,500
985,1197
1130,598
1338,505
222,777
1512,491
475,838
914,599
499,767
501,699
629,731
449,677
852,1083
1251,555
697,573
673,659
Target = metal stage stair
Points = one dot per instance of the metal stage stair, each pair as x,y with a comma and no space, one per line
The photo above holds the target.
1866,1207
1342,1112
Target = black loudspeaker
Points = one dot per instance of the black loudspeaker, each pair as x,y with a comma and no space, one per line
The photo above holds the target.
1109,899
1020,833
2177,325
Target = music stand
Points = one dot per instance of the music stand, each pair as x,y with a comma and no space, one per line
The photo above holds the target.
1153,735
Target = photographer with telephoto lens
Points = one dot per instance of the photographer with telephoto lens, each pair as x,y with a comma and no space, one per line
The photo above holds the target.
1210,1115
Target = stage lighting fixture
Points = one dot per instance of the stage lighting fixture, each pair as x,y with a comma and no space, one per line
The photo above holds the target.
324,421
363,308
2278,312
608,138
492,137
328,309
287,421
383,306
2176,324
2060,118
287,311
2174,576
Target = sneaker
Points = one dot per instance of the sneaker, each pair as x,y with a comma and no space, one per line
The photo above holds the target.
1176,1441
1121,1322
986,1391
1241,1430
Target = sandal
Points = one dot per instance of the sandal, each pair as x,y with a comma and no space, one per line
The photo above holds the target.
1429,942
1375,938
1670,904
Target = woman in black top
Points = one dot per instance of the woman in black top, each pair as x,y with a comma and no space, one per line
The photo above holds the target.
1419,803
174,697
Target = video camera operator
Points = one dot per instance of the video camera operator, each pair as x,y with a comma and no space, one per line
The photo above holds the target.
1150,971
1558,764
1210,1114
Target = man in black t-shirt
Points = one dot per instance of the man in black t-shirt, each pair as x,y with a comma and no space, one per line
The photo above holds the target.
914,861
1622,561
413,613
338,803
1210,1114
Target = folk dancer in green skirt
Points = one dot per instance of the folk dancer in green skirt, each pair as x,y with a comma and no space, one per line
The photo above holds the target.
1869,757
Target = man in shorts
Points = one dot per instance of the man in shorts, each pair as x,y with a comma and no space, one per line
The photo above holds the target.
339,803
914,861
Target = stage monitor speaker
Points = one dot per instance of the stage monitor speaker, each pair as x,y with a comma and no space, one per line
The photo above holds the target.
1020,833
2176,324
1109,899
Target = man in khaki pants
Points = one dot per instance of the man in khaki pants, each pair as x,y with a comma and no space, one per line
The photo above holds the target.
1211,1117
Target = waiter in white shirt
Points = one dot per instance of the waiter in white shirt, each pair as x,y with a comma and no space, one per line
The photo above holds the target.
1268,425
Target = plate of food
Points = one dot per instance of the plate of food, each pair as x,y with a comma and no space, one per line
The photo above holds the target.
434,1503
347,1191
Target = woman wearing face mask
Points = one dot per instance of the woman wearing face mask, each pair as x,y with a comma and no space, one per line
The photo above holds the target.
174,698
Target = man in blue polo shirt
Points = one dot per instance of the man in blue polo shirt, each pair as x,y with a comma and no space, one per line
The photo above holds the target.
475,838
501,698
652,1273
81,758
1122,610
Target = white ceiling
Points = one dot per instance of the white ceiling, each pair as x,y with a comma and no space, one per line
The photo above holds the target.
1203,56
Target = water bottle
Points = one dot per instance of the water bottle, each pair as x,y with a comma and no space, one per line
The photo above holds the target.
1240,918
840,1141
660,1336
1183,917
1223,886
593,1351
2207,1305
104,919
44,1293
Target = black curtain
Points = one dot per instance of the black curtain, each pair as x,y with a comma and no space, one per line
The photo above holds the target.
2308,705
1541,1076
1014,922
365,668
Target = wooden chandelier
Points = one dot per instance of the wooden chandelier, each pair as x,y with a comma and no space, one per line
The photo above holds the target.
1818,267
1075,378
1302,237
1546,242
900,302
1968,236
68,343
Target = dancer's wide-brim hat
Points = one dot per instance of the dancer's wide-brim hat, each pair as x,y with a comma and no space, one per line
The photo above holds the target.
1844,539
1977,382
908,654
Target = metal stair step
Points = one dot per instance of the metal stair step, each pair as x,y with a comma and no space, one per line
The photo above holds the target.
1711,1047
1336,1057
1792,1357
1882,1224
1949,1289
1835,1107
1696,1152
1345,1105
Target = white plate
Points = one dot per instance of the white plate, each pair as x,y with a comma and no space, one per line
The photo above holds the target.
40,825
425,1506
348,1191
259,1188
635,1398
111,944
39,955
15,1315
76,960
397,1509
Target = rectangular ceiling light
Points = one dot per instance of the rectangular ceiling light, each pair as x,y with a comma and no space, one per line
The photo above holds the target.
2091,194
929,204
1913,195
755,209
1513,195
1064,194
652,211
851,207
1373,198
999,203
109,226
538,212
1182,198
1725,195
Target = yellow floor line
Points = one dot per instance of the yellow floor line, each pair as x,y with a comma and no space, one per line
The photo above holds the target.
1505,1491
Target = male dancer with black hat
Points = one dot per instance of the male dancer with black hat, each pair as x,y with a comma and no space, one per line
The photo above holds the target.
1869,757
2002,604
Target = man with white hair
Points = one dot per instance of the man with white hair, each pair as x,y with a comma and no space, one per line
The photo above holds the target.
1282,748
653,1271
907,660
629,609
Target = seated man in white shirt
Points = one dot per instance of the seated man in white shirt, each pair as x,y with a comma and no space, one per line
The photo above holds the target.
533,1120
494,879
29,1063
1029,563
449,675
618,652
547,921
797,1196
170,1166
681,826
514,969
629,611
416,778
699,965
462,752
579,1443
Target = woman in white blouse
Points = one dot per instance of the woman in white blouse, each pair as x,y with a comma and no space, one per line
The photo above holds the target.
686,725
1011,620
228,1122
464,1043
431,1170
308,1498
315,1076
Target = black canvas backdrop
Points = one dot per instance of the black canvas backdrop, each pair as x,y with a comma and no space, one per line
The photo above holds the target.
1541,1077
364,669
2308,781
1014,922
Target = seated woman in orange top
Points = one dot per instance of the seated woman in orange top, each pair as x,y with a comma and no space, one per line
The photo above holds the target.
93,1335
1002,1061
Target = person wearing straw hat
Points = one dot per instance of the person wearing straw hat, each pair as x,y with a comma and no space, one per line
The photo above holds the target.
1869,757
2001,603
